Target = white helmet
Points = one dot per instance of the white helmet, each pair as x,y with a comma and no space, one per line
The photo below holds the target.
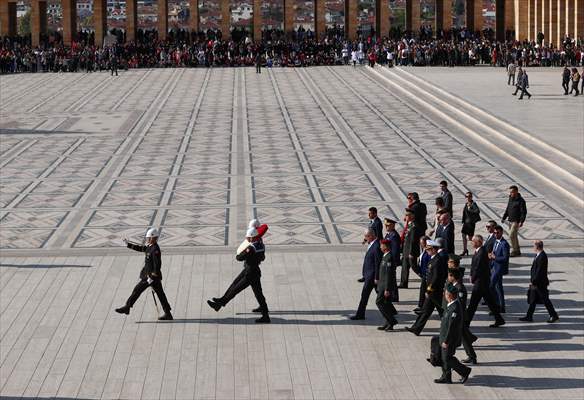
254,223
152,232
251,232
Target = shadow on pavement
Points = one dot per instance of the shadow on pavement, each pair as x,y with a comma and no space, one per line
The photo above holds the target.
500,381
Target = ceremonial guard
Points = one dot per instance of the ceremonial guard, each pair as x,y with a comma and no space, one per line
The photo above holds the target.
451,336
252,257
387,291
150,275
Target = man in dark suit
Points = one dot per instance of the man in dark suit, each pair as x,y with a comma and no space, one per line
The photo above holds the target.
538,285
490,239
410,248
435,277
370,272
451,327
445,230
480,277
376,226
499,266
420,212
446,196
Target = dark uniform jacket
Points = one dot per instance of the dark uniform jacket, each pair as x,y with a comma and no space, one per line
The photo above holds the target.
451,325
371,261
411,246
447,197
395,246
480,272
387,278
420,211
436,274
539,279
152,261
252,258
516,210
446,232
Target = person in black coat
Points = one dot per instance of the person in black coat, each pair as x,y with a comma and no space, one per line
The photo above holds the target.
516,212
538,285
437,271
480,277
394,241
420,212
370,272
375,223
446,231
150,275
410,248
251,275
446,195
471,214
489,242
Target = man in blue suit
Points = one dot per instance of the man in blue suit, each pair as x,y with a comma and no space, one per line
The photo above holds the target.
499,266
371,263
394,241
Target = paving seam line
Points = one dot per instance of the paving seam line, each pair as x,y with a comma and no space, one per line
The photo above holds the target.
132,90
20,148
51,97
577,199
502,124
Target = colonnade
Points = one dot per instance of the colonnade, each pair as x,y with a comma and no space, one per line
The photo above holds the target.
527,18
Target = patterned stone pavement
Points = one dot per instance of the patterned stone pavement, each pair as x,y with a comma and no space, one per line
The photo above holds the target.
86,159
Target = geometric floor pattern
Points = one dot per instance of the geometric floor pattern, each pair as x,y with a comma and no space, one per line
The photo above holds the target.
199,152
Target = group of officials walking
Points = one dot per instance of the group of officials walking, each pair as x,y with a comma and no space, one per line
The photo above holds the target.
432,257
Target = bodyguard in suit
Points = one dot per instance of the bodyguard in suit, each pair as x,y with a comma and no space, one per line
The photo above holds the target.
445,230
420,212
387,291
490,239
499,266
410,248
150,275
538,285
422,269
451,327
370,272
446,196
516,212
455,277
435,277
480,277
375,223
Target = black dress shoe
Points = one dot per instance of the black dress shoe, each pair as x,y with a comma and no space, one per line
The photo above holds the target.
526,319
167,316
361,280
257,310
400,286
215,306
553,319
412,330
465,376
123,310
472,361
382,328
265,319
419,312
217,300
356,317
417,309
497,324
443,379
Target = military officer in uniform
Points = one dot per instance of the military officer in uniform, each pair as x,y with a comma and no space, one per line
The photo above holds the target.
252,257
411,249
451,327
150,274
455,277
387,287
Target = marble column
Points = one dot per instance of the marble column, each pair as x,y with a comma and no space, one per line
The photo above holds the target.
545,20
8,21
382,17
474,15
225,6
570,18
521,20
99,21
561,29
319,19
351,23
131,20
413,15
162,22
289,16
443,15
194,15
38,23
69,21
257,19
579,20
509,15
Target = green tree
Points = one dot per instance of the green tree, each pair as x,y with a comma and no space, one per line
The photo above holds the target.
24,24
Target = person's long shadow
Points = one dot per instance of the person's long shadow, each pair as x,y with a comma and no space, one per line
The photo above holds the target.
501,381
41,266
538,363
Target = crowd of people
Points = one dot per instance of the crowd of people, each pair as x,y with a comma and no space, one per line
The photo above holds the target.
458,47
429,251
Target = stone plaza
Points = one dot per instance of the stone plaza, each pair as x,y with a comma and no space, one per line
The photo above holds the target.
87,159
